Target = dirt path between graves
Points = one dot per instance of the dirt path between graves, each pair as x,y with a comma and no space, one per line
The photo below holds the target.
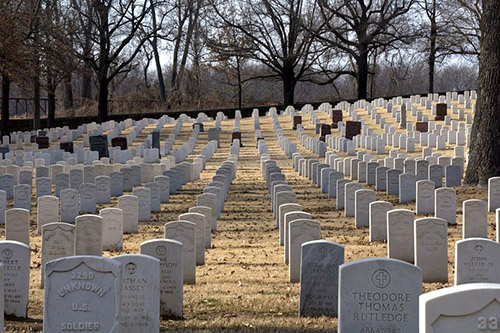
244,284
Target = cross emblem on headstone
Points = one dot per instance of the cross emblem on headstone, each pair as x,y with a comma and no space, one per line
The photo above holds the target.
322,251
381,278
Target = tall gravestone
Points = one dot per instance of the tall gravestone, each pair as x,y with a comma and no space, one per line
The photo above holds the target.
320,261
15,257
377,295
431,248
140,299
169,252
82,293
58,240
88,235
184,232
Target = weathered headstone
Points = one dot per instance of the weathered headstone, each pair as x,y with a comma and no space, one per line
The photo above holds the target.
82,293
474,218
400,233
320,261
363,199
88,235
184,232
129,204
140,299
301,231
199,221
477,260
69,205
431,248
112,229
378,220
465,308
58,240
47,211
425,197
377,295
144,196
15,257
206,212
169,252
445,206
17,225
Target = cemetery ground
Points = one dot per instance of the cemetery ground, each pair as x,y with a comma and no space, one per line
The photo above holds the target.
244,283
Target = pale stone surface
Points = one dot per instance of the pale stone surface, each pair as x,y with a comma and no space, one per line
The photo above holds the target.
474,218
58,240
102,190
445,206
364,283
209,200
363,199
301,231
199,221
184,232
69,205
400,235
392,179
144,196
140,300
206,212
87,198
15,257
17,225
22,196
407,188
431,248
82,291
169,252
289,217
129,204
378,220
320,261
493,193
350,199
425,197
464,308
282,210
477,260
340,199
88,235
112,229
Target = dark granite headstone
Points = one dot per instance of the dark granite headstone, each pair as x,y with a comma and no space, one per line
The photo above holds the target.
119,141
336,117
33,139
67,146
156,139
4,150
325,130
352,128
200,126
42,133
99,143
237,135
43,142
296,121
422,127
441,111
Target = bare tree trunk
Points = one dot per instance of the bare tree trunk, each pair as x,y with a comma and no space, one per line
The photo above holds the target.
5,104
102,99
51,100
154,45
362,77
240,89
36,102
68,92
432,49
484,152
288,87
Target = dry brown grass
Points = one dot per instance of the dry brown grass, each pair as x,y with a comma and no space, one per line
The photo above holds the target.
244,284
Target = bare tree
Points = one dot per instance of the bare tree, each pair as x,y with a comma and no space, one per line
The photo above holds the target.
280,34
358,28
118,33
484,152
